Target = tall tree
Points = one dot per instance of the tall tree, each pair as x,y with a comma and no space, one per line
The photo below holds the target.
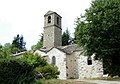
98,32
5,52
39,43
66,38
18,44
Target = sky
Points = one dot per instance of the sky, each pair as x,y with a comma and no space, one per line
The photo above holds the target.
26,17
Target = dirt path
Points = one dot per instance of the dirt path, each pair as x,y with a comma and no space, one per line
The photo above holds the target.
100,81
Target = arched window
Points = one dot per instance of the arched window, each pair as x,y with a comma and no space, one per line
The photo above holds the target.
89,61
53,60
49,19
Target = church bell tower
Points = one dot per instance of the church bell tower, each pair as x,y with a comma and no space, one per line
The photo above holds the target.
52,30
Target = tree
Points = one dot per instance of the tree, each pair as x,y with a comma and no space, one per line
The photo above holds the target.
8,47
97,31
4,52
39,43
66,38
18,44
22,43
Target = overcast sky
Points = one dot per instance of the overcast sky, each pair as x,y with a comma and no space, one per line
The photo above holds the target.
26,17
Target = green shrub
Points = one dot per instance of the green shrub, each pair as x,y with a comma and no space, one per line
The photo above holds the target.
33,59
14,72
49,71
23,70
37,82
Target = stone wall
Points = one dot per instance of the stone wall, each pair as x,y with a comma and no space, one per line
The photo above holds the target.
60,61
57,36
72,66
48,40
89,71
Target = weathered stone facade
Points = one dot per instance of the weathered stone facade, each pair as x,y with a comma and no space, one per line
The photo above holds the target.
89,71
60,61
72,67
71,63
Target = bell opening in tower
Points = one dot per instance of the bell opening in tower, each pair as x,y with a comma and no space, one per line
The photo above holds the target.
49,19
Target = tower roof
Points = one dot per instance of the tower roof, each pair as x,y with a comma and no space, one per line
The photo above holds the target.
50,12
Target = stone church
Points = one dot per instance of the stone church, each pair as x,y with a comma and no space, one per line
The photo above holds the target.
69,60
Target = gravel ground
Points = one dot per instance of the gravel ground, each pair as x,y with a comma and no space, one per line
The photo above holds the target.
101,81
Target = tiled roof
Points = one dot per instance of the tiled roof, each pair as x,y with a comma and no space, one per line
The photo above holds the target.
69,49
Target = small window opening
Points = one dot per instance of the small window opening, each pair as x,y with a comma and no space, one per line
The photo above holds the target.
67,74
57,20
89,61
53,60
49,19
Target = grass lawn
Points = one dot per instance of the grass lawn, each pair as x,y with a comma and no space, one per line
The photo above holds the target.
56,81
72,81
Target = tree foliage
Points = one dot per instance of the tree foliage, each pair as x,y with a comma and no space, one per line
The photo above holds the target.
40,65
34,59
98,32
39,44
24,70
4,53
13,71
66,38
18,44
49,71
